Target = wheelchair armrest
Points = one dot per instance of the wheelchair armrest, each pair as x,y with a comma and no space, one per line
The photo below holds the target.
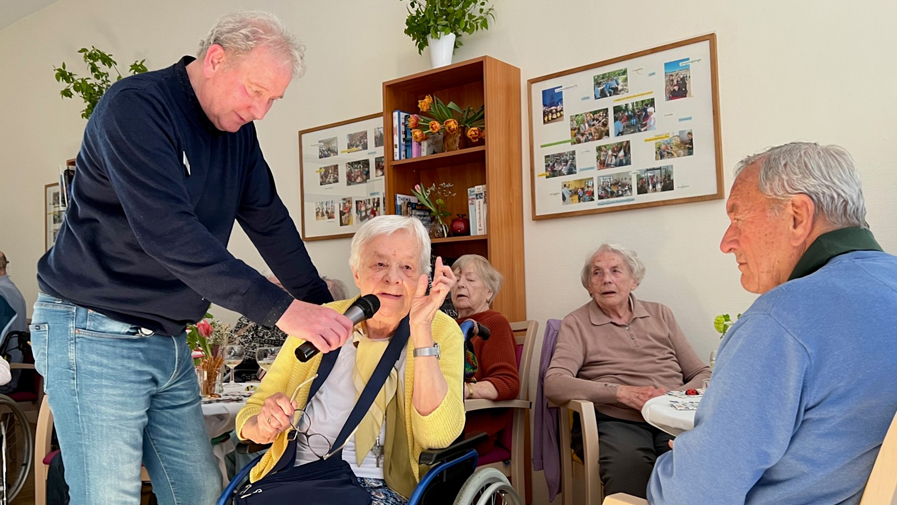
480,404
247,447
432,456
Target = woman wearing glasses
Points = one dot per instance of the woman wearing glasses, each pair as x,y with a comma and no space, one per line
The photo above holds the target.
419,407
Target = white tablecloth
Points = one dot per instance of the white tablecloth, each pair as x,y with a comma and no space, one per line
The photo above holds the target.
220,418
659,413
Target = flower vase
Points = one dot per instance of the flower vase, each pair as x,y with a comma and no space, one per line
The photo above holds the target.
441,50
451,141
438,229
210,378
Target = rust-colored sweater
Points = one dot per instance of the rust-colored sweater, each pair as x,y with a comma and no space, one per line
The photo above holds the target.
497,358
595,355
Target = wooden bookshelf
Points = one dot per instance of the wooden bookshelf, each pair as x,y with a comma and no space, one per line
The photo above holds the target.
494,161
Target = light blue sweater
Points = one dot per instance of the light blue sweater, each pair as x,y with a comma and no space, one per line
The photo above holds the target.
803,393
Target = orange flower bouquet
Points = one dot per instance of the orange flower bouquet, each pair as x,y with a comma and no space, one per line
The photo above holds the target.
452,119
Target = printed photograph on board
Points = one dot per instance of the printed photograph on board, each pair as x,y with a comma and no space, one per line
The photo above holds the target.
379,166
560,164
613,155
614,186
325,210
345,212
327,148
358,172
677,77
578,191
678,145
552,105
589,126
357,141
611,83
634,117
655,180
329,174
378,137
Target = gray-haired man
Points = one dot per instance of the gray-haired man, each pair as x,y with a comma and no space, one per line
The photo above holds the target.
170,161
804,389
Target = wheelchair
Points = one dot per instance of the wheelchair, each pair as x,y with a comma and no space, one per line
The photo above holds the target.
453,477
16,438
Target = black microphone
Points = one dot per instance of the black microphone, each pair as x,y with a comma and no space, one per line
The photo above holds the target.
362,309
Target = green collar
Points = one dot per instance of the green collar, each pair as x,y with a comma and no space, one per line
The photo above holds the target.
831,244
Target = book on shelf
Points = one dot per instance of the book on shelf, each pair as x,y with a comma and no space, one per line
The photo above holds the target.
480,209
405,204
472,209
401,135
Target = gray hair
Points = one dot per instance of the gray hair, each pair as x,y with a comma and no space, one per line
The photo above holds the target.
491,277
387,225
826,174
630,258
337,288
241,32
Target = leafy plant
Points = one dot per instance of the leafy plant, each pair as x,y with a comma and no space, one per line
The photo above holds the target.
442,17
723,322
433,198
91,89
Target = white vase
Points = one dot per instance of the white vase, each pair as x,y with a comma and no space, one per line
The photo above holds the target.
441,50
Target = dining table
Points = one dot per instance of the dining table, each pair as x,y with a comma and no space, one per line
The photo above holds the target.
220,415
673,412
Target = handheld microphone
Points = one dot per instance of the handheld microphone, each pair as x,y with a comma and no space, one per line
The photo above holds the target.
362,309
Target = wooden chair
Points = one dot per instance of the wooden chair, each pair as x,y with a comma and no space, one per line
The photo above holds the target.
881,488
572,468
42,453
525,333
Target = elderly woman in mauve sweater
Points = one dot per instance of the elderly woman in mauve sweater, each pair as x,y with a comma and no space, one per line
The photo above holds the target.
619,352
496,377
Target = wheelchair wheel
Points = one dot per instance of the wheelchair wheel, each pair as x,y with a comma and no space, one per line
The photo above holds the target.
17,444
487,486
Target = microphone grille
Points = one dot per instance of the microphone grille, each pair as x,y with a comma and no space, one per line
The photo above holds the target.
369,304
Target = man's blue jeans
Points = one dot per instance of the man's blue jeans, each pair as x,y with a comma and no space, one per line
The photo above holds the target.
119,399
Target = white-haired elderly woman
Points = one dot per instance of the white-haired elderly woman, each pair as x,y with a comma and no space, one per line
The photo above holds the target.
496,376
619,352
390,259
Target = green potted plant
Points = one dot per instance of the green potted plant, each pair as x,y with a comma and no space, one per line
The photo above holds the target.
439,24
91,89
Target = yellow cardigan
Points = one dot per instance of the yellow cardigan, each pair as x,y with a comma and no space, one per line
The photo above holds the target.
435,431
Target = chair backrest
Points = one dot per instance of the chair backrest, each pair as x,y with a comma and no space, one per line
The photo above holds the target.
881,489
525,334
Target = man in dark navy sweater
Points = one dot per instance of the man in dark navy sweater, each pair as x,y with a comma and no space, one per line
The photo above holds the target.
169,161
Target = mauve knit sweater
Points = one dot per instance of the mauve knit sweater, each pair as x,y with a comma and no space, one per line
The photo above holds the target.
497,358
595,355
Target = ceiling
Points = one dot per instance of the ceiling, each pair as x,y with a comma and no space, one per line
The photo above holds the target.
14,10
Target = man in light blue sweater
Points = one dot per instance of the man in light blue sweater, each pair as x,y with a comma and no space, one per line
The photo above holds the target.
804,389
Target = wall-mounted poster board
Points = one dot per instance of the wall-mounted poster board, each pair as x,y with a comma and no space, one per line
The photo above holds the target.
342,171
632,132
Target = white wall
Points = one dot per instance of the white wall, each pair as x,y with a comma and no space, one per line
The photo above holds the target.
788,70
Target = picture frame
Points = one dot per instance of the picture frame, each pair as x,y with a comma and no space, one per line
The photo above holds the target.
342,171
632,132
54,213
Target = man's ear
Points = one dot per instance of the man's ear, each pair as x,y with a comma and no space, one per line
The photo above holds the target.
802,211
214,60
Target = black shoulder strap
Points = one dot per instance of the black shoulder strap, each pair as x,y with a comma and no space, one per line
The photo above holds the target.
390,356
366,399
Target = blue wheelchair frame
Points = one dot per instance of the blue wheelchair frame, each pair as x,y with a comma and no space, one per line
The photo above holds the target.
448,461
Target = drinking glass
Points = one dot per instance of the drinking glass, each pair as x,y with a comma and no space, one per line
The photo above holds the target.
233,356
265,356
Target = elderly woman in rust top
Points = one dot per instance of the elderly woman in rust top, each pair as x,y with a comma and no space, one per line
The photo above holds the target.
619,352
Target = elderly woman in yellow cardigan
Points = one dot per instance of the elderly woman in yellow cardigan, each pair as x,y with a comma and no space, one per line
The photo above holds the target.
424,406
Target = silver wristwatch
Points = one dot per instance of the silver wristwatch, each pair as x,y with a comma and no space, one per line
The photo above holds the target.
427,351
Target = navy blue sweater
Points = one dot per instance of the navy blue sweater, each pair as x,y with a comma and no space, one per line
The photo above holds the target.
155,197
